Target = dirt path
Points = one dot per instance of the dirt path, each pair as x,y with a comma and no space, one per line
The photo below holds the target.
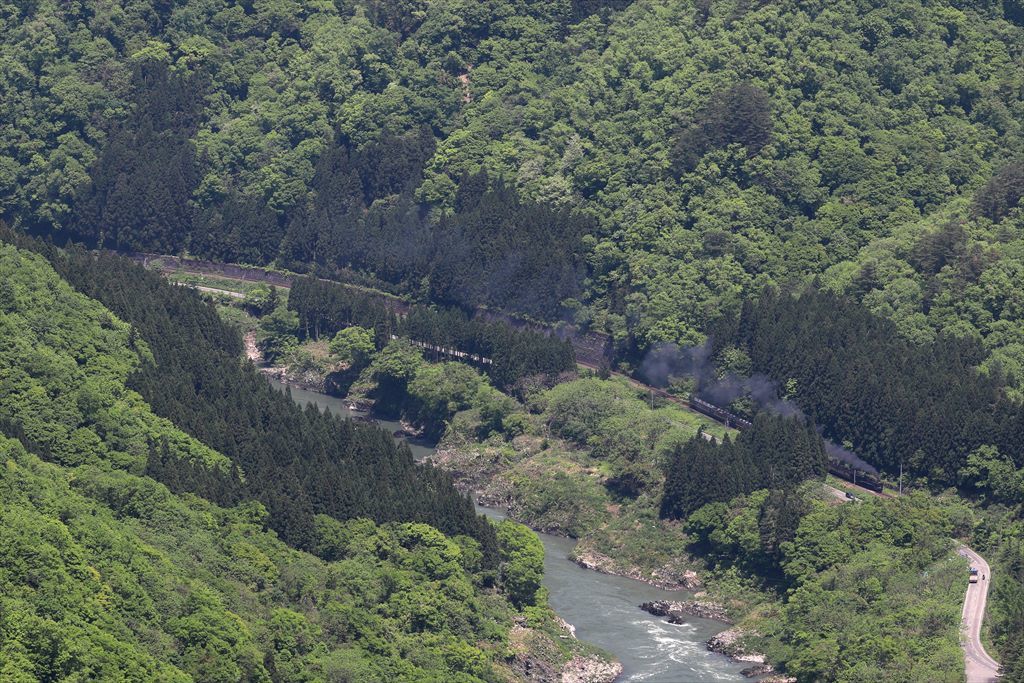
252,352
214,290
981,668
211,290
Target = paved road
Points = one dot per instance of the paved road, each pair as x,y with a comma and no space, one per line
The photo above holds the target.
980,667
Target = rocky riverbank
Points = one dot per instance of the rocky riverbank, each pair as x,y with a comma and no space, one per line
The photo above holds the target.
670,577
310,380
503,478
538,659
730,643
590,670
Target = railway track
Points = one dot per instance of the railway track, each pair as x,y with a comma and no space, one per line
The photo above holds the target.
731,422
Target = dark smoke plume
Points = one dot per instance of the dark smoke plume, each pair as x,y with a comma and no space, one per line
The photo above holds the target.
666,362
849,457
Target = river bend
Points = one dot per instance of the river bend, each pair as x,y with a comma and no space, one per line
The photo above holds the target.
603,608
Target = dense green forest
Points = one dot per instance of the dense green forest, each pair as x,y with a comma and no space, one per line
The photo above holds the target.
776,453
506,354
107,574
870,591
660,170
650,163
923,407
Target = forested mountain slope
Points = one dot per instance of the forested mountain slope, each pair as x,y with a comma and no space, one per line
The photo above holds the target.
108,574
298,462
651,163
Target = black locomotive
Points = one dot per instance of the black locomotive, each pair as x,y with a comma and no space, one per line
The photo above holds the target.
846,471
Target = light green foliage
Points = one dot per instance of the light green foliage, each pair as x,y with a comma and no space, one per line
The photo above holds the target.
430,395
995,475
951,273
353,345
64,361
618,425
173,590
568,502
575,410
397,362
874,588
438,391
523,557
278,333
498,413
602,485
261,299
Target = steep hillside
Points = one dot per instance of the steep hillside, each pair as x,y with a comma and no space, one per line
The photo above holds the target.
108,574
650,164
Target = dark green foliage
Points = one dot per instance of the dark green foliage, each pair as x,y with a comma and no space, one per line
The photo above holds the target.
777,452
139,187
496,250
740,115
582,9
925,406
326,307
1002,193
239,229
1008,613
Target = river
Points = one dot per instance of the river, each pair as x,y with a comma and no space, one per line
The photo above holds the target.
602,607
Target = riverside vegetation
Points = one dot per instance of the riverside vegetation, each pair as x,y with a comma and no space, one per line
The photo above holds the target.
858,591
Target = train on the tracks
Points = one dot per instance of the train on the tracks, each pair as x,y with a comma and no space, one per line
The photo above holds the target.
720,414
862,478
837,467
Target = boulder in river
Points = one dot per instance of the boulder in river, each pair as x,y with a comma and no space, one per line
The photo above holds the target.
757,670
677,611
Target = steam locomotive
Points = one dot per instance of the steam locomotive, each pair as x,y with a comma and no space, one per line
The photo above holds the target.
862,478
839,468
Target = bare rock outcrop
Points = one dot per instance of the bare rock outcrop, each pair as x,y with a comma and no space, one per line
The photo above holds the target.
676,612
730,643
590,670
